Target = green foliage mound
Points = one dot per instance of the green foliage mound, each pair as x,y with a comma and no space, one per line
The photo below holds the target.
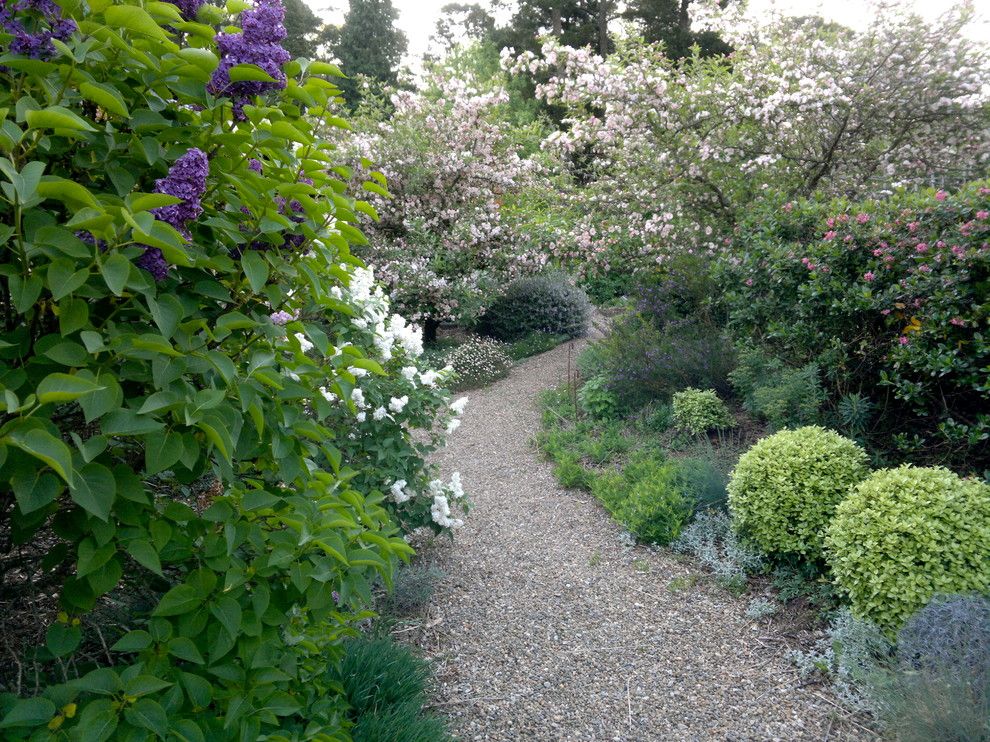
697,411
549,304
784,397
785,488
904,535
596,399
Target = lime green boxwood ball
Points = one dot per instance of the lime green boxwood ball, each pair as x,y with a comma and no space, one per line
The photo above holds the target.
904,535
784,489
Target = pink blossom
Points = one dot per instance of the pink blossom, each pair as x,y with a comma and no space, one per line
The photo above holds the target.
847,238
958,321
830,235
903,340
788,207
869,276
941,195
959,252
884,312
830,221
913,227
749,281
877,253
922,247
862,218
982,215
925,268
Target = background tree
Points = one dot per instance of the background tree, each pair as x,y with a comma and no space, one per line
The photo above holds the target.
669,22
302,29
367,44
463,22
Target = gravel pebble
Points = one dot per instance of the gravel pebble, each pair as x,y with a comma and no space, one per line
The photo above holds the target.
546,628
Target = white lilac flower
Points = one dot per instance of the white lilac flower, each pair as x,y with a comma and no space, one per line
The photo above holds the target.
459,405
456,488
453,425
397,404
399,493
409,373
380,413
304,342
357,397
359,372
440,511
429,378
327,394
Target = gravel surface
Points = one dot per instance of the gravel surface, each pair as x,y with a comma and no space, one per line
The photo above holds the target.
546,628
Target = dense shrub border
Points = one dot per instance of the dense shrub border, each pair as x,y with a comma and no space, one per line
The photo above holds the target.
891,298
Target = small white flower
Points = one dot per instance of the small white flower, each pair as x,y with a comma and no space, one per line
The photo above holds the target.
397,404
357,397
304,342
327,394
359,372
398,490
459,405
409,373
361,417
456,488
453,425
379,414
429,378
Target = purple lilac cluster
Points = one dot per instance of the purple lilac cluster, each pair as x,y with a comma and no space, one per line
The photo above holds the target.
33,24
188,8
259,43
186,179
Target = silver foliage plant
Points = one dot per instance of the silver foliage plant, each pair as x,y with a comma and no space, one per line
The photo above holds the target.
711,539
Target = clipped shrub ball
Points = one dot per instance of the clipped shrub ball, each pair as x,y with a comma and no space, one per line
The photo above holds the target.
904,535
784,489
549,304
697,411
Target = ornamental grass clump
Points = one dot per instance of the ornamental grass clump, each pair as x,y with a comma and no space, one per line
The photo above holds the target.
697,411
784,490
904,535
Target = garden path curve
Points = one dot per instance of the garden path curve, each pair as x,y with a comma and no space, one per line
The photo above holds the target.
545,627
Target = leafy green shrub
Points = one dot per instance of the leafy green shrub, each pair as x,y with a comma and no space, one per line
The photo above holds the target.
189,356
592,360
904,535
549,304
940,686
784,489
654,509
703,483
571,473
895,292
784,397
596,399
478,362
385,685
697,411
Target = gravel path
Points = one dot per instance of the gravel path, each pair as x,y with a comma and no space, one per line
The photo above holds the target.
546,628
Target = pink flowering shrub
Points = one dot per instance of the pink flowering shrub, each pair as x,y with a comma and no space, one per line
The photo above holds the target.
897,309
441,242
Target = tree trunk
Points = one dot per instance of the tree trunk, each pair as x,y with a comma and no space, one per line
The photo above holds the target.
430,327
604,11
558,22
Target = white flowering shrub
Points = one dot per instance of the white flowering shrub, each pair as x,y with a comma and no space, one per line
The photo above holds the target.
678,151
398,419
479,361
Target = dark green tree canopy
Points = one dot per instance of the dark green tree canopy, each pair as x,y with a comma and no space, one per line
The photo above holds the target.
302,28
368,44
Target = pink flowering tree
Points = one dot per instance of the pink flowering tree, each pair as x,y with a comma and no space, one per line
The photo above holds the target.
801,107
441,242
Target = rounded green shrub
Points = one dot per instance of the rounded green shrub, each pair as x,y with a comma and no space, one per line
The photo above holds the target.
904,535
596,399
784,489
550,304
697,411
654,509
478,362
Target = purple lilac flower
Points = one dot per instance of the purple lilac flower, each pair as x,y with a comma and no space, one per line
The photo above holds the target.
258,43
254,164
281,318
188,8
154,262
92,241
186,179
33,24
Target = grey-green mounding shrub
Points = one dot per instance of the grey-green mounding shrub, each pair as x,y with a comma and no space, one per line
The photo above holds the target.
549,304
